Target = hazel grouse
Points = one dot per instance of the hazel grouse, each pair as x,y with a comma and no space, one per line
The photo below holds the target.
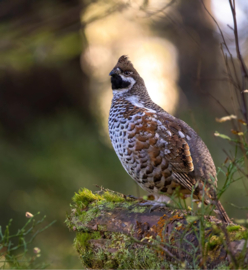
159,151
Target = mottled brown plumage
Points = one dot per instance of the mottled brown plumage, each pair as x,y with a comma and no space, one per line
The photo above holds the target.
159,151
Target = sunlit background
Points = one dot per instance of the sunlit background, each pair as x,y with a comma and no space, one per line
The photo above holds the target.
55,94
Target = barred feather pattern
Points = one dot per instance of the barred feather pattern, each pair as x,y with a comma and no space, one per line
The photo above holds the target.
159,151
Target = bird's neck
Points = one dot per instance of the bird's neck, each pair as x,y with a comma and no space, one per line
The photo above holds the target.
137,96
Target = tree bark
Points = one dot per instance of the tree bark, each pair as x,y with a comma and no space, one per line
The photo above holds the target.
114,231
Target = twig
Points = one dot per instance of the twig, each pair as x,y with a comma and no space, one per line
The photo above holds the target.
242,64
235,163
225,44
228,245
225,110
149,14
155,246
238,207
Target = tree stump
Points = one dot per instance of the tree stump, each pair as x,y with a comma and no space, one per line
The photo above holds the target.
115,231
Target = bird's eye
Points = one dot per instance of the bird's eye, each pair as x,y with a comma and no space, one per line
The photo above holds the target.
127,73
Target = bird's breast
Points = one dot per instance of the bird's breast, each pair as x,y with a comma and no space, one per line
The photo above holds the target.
134,136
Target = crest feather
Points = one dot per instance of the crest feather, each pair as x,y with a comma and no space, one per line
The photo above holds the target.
124,61
123,58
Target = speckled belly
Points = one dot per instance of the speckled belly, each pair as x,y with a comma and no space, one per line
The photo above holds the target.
141,150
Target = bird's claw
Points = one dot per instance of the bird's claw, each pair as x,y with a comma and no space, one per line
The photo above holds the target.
154,205
133,197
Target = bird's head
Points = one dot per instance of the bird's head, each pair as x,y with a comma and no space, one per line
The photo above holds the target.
124,76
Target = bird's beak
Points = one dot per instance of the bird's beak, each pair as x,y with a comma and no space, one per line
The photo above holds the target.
114,71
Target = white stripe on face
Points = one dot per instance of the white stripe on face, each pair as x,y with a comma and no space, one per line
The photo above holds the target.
120,92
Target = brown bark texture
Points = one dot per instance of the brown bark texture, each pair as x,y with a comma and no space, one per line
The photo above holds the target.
114,231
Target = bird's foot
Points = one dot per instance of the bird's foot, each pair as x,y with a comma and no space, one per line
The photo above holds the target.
154,201
133,197
154,205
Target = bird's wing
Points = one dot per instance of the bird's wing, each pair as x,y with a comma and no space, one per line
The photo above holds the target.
177,150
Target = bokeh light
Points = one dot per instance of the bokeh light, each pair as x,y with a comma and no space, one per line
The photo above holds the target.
154,58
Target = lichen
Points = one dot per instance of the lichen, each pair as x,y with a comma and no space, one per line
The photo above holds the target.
86,216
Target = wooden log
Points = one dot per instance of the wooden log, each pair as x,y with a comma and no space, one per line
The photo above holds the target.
114,231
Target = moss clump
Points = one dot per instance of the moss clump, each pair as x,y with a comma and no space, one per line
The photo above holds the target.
85,197
241,235
87,216
95,203
137,209
236,232
233,228
81,241
214,241
112,197
82,244
119,251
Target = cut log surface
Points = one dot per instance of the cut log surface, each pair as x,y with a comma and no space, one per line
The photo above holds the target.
114,231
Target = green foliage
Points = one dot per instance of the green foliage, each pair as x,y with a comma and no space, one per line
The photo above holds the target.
41,47
223,136
14,248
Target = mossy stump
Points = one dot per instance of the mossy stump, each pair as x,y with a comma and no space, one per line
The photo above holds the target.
114,231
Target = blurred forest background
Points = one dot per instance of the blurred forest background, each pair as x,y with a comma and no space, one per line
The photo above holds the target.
55,94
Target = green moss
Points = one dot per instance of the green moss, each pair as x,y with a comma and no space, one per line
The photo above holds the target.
82,240
85,196
214,241
112,197
137,209
88,215
104,204
119,252
222,265
241,235
102,227
232,228
126,255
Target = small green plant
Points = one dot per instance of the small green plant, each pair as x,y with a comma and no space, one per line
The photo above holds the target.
14,247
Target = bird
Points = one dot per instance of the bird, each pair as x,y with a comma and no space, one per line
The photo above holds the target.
162,153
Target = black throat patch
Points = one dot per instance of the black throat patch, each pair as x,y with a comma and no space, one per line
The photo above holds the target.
118,83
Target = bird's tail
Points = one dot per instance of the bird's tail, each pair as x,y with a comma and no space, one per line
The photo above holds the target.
223,213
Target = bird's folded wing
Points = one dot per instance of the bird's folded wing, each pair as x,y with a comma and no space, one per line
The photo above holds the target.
178,151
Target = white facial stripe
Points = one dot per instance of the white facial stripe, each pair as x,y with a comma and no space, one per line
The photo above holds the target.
135,101
120,91
128,79
124,90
